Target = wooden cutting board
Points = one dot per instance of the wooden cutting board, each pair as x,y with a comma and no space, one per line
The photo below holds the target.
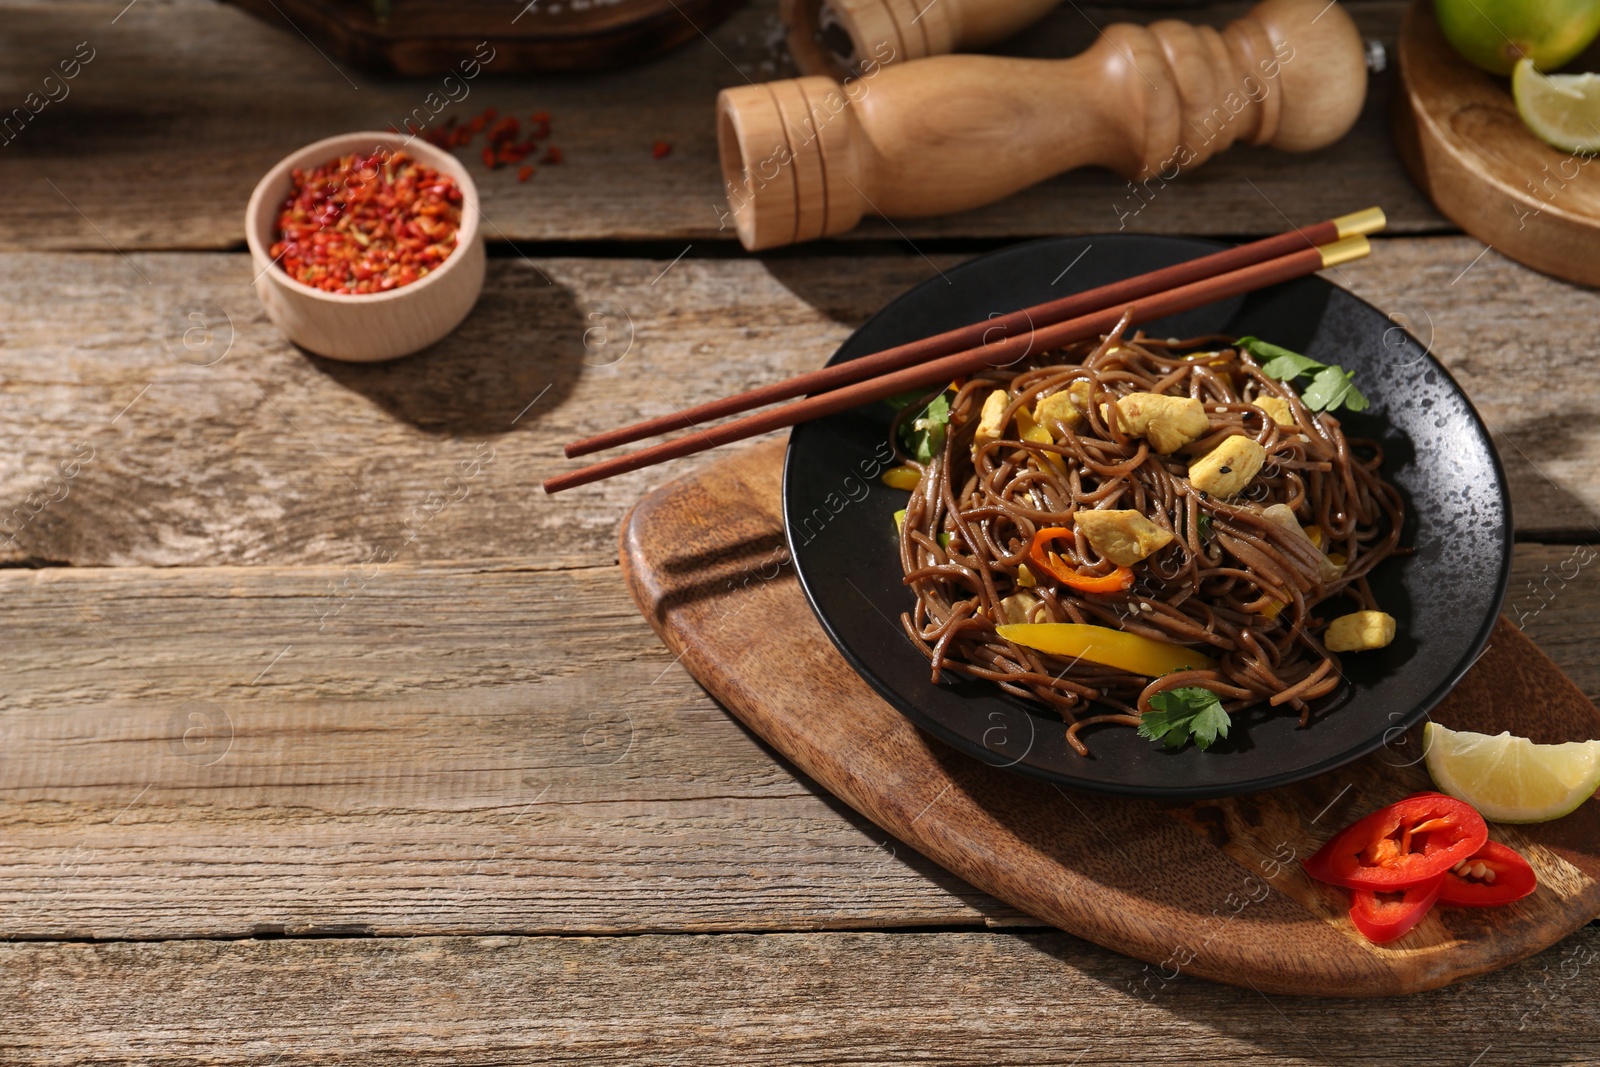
1207,888
1458,132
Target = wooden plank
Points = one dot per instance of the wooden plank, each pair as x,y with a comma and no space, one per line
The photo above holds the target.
271,456
124,450
933,998
163,134
487,747
473,747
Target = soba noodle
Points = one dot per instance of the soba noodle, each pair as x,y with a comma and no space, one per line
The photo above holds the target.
1232,583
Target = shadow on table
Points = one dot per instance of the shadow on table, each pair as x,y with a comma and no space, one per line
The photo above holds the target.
524,340
851,289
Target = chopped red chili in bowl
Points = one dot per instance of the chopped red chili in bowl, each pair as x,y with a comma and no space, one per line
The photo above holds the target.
367,223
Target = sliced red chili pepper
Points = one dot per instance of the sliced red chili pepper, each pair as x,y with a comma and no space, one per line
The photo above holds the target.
1384,916
661,149
1507,877
1412,841
1056,567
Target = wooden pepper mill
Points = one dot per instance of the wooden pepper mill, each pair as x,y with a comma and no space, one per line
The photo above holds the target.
807,157
835,37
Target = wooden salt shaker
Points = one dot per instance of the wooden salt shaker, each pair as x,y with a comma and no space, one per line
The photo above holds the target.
807,157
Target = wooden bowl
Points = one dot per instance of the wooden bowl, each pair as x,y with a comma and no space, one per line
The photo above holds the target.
366,327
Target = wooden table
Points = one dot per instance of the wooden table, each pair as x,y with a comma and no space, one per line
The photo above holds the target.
269,798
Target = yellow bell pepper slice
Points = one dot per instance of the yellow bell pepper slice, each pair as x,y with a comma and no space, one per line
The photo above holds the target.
1029,430
1107,647
902,477
900,522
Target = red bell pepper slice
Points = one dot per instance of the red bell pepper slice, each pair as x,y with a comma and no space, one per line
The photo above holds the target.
1384,917
1510,878
1418,838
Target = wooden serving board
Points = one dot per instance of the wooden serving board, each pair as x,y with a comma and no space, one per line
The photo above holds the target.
1207,888
1461,139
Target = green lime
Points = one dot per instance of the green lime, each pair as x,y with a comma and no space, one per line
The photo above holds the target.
1511,779
1563,110
1494,34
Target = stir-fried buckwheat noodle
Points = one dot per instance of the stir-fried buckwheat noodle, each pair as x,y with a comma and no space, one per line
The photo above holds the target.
1213,588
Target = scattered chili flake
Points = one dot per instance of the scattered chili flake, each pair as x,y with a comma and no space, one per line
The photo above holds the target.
661,149
504,148
504,130
444,136
525,173
367,223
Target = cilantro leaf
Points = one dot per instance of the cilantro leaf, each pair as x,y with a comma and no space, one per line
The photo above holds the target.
1179,715
1331,385
922,438
1289,366
1276,361
902,400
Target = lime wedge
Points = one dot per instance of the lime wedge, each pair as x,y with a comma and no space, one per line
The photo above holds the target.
1562,110
1511,779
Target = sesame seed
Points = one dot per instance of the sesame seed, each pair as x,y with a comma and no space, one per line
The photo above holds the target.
1225,470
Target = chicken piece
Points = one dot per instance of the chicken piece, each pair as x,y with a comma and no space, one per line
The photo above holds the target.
1167,422
1359,631
1066,407
1123,537
1018,608
1283,515
1276,407
1228,468
992,422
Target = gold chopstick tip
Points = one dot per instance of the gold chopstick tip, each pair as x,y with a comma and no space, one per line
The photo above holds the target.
1344,251
1365,221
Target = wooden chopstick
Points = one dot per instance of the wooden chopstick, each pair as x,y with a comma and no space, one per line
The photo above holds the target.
1009,350
1117,294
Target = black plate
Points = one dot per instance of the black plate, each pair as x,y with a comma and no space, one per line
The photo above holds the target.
840,525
